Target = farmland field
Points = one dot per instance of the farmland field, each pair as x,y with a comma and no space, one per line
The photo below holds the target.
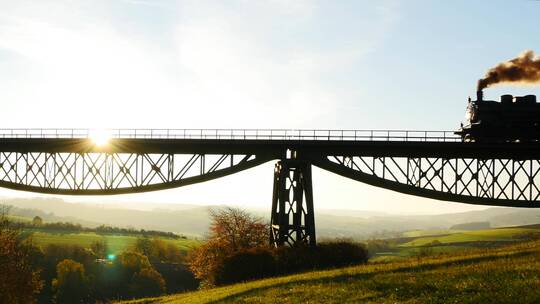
497,234
439,241
116,243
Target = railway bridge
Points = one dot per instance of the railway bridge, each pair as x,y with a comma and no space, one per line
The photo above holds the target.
432,164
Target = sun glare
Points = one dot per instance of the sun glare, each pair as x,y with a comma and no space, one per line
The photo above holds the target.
100,137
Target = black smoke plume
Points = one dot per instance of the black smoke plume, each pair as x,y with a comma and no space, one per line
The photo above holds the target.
523,69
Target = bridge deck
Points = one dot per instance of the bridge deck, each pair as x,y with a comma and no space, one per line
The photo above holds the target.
276,148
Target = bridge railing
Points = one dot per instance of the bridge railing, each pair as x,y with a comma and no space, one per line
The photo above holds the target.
238,134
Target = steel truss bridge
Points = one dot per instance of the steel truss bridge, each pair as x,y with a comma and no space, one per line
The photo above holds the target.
432,164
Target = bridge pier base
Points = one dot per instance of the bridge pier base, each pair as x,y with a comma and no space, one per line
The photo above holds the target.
292,221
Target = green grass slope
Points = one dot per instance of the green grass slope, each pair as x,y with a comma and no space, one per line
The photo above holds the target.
509,274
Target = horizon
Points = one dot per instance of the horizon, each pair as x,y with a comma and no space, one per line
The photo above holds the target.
154,206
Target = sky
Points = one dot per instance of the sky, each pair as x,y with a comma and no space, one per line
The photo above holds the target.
257,64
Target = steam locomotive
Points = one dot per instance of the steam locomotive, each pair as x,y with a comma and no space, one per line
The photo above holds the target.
510,120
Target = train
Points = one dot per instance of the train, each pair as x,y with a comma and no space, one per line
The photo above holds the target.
512,119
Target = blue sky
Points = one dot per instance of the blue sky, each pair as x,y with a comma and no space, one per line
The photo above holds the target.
257,64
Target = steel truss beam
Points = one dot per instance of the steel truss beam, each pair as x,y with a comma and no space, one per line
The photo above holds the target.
114,173
500,182
292,219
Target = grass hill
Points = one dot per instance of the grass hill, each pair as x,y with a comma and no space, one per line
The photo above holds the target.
508,274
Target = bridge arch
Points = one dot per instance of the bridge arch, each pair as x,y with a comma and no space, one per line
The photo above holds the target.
494,182
72,173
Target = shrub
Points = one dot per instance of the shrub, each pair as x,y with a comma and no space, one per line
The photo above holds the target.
244,265
341,253
295,259
261,262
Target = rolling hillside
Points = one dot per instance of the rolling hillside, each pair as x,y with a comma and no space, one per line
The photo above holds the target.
508,274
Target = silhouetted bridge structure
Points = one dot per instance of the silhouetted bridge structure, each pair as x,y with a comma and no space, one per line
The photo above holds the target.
432,164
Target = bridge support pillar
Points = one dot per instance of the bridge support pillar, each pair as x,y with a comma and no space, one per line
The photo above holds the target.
292,220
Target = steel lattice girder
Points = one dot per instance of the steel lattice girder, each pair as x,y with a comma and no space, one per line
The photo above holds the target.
502,182
292,218
114,173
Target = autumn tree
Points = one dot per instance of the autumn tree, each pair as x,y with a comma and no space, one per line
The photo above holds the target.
137,275
19,282
71,283
147,283
231,230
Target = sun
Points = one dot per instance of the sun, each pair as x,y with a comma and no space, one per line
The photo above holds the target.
100,137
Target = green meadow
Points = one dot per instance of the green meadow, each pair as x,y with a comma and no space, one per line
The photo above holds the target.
116,243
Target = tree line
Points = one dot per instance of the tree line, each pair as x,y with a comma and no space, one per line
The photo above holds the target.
37,223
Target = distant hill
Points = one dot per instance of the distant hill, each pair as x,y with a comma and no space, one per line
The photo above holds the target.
471,226
193,220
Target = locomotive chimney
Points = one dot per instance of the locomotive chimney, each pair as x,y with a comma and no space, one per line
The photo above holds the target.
479,95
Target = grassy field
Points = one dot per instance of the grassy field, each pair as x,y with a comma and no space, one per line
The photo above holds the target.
508,274
420,233
497,234
116,243
439,241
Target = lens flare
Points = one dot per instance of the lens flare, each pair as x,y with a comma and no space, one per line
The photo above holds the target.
100,137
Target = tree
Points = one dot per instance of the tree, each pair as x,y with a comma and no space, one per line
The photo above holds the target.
132,262
143,245
231,230
19,282
37,221
137,276
99,248
71,283
237,229
146,283
158,250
